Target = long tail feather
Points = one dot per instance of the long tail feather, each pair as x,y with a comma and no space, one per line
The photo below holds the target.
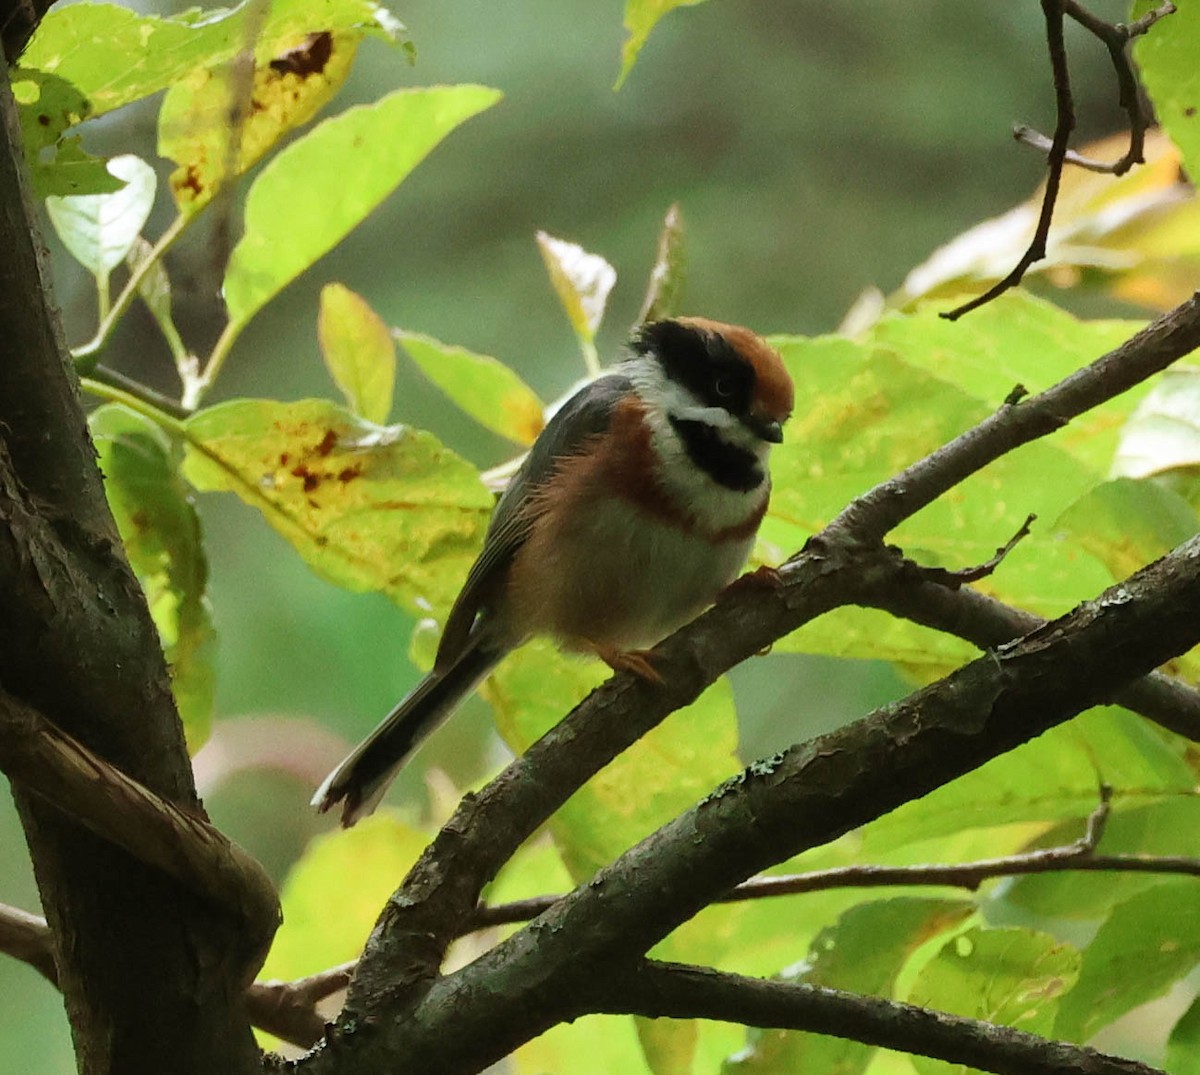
359,782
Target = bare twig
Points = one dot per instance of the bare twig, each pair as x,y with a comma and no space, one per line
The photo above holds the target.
686,992
1116,38
1052,11
45,760
956,579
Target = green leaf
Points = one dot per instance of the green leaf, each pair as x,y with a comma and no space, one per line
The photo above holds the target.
593,1045
309,181
161,532
863,953
114,56
1145,946
1011,977
665,288
286,90
367,507
1183,1047
1018,339
48,106
1052,778
641,16
1164,432
1166,62
486,389
669,1045
100,229
332,895
581,281
1127,524
358,351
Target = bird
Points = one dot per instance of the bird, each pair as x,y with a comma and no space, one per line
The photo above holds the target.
637,504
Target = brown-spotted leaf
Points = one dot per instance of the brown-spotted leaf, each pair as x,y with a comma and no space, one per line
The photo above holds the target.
367,507
287,89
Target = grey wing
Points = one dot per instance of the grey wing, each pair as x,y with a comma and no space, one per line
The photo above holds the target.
586,413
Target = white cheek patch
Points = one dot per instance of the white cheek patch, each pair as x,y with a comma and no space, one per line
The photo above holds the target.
696,492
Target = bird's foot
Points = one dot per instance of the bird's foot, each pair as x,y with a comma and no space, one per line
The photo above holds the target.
636,661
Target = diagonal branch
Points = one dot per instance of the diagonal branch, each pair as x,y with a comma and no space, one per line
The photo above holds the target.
845,564
802,798
989,624
1165,340
42,759
679,991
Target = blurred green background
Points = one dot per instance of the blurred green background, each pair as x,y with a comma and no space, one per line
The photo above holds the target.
815,149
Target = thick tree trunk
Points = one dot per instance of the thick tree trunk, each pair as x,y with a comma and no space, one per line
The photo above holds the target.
152,977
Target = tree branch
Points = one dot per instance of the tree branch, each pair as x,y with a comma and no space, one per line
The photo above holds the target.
842,565
151,977
804,797
678,991
57,768
989,623
1165,340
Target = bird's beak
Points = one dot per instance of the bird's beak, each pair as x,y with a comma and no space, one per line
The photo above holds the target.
767,429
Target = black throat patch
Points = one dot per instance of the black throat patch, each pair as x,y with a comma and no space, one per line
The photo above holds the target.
725,463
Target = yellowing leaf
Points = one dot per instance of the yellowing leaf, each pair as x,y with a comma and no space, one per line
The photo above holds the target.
582,282
641,16
195,128
113,55
665,287
367,507
486,389
358,350
311,194
333,894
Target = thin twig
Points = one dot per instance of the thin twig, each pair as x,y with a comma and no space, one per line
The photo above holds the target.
1052,11
957,579
1116,38
115,379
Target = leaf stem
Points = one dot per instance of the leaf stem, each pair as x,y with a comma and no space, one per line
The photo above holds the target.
109,319
591,357
139,401
194,389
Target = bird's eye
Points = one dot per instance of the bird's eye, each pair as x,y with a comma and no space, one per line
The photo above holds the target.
724,387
